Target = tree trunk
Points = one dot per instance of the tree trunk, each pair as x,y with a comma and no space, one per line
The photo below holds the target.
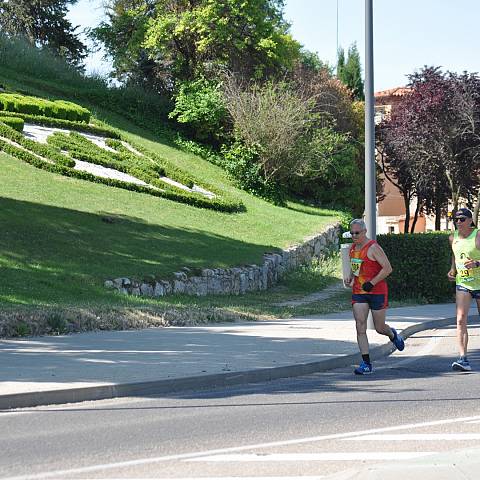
477,208
438,216
415,217
406,200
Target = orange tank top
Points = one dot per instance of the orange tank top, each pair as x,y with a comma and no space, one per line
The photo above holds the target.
364,270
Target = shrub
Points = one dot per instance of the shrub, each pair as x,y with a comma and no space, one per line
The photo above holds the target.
241,163
199,105
62,109
420,263
13,122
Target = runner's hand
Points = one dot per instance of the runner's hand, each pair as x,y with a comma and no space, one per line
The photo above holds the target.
452,274
348,281
367,286
471,264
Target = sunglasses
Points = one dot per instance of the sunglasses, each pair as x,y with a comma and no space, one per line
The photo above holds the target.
356,233
459,219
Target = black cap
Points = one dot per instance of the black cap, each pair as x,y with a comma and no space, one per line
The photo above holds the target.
464,212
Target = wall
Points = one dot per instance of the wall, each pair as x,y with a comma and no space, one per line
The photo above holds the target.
234,281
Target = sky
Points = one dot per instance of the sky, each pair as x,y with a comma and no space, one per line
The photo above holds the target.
408,34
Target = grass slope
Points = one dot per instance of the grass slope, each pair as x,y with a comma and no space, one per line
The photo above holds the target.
55,249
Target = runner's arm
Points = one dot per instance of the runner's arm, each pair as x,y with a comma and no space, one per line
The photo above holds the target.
379,255
453,269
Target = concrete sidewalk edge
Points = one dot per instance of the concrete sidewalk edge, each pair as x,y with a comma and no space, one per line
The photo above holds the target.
201,382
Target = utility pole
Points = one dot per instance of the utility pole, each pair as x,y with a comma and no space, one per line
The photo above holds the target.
370,166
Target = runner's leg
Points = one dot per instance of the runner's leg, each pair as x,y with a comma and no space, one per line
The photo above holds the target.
360,313
379,321
463,301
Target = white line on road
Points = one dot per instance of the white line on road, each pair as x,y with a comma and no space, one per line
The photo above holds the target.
424,437
182,456
311,457
303,477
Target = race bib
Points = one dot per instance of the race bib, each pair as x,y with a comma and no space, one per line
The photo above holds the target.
465,274
355,264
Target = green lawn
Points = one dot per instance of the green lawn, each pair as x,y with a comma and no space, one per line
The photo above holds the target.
55,248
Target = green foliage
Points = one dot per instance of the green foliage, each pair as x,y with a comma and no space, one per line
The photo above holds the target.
199,105
420,263
57,325
13,102
242,164
349,71
22,329
181,40
13,122
203,151
44,23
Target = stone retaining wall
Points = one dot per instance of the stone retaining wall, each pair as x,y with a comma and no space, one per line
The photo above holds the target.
234,281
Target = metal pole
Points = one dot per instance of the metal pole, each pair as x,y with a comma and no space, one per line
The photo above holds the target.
370,173
337,39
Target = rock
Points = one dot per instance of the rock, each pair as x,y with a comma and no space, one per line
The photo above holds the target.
178,286
109,284
146,290
159,290
182,276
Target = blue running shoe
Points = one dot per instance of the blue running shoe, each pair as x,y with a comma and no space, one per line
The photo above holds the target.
364,369
461,365
398,340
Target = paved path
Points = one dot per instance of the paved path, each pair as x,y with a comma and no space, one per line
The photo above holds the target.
324,294
197,356
414,418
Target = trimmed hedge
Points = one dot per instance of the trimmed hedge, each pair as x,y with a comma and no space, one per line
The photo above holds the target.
13,122
420,263
46,151
14,102
66,124
147,170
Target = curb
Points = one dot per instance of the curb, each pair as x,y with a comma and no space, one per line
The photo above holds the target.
102,392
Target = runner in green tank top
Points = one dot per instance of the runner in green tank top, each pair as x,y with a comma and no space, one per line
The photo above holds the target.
465,271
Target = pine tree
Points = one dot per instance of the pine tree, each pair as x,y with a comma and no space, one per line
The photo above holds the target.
349,71
43,23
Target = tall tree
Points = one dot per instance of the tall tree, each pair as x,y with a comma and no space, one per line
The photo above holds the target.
436,127
43,23
185,39
349,71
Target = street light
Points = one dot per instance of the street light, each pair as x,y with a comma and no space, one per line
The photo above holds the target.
370,169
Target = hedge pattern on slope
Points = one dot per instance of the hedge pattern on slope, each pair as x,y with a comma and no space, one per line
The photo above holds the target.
13,122
102,131
14,102
63,164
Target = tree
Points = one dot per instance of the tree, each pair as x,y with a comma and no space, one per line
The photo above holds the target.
186,39
44,24
431,140
349,71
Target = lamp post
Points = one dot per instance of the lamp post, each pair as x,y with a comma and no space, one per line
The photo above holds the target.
370,173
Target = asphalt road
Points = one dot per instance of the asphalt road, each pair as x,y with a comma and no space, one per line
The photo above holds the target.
413,407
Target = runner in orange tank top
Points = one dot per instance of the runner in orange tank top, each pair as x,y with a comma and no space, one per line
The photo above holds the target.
369,268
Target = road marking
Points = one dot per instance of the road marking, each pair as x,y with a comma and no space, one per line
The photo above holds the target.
402,437
317,477
474,421
281,443
311,457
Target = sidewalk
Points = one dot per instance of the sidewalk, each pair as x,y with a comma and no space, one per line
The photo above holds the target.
91,366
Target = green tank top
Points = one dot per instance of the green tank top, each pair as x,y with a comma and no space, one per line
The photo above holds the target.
464,249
